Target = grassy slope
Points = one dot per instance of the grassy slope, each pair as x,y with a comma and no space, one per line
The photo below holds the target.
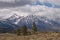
41,36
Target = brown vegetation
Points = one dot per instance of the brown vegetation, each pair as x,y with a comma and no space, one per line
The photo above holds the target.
39,36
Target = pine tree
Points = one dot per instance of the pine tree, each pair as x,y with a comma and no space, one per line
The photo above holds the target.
18,32
34,28
24,30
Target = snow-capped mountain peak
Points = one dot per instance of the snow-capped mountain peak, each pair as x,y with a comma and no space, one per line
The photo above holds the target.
42,22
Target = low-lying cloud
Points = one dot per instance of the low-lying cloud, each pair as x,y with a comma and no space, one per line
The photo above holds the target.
29,9
32,10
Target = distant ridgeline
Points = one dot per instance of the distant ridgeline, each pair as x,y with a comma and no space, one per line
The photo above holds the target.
3,30
4,27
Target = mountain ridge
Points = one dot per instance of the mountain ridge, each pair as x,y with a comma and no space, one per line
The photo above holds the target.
42,22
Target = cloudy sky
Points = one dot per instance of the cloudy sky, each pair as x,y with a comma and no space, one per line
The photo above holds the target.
14,3
48,8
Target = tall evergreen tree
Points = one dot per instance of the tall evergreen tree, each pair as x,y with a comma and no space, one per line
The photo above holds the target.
34,28
18,32
24,30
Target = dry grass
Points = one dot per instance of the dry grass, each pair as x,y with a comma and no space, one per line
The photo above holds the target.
41,36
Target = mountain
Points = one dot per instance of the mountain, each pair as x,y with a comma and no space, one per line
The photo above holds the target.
43,23
14,19
5,27
44,17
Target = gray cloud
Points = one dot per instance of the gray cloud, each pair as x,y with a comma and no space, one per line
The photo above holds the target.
14,3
